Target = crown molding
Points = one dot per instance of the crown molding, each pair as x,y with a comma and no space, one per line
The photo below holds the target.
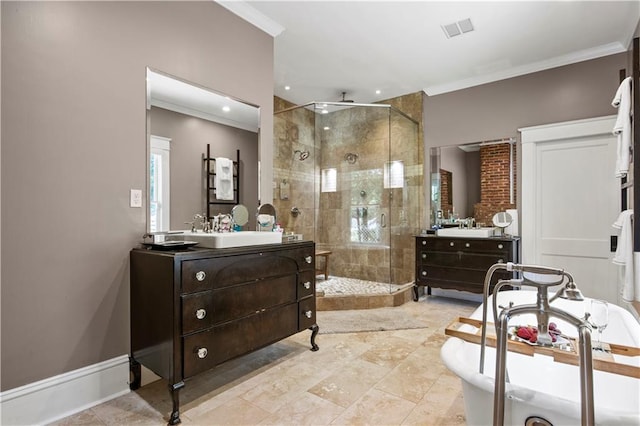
559,61
253,16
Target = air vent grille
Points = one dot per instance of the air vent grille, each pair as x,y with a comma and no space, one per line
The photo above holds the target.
457,28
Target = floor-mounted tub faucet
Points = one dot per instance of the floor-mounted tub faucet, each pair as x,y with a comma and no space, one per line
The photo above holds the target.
543,312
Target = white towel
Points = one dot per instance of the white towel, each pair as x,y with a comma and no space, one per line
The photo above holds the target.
622,127
224,179
624,252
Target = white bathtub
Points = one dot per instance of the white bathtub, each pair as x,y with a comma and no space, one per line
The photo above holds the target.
540,387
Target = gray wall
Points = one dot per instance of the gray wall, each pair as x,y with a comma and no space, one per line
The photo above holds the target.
189,138
73,144
497,110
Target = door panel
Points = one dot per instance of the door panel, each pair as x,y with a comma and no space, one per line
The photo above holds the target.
570,199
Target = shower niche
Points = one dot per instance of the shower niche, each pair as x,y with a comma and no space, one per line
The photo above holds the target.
355,174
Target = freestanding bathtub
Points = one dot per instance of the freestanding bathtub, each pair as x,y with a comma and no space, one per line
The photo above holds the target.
539,387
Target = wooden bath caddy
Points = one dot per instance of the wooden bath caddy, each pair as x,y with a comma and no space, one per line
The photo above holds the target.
602,361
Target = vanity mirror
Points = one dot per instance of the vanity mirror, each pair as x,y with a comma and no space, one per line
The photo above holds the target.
182,118
472,180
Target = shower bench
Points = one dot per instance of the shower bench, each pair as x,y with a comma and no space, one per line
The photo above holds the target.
325,265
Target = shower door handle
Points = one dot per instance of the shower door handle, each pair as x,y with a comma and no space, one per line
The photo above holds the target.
383,220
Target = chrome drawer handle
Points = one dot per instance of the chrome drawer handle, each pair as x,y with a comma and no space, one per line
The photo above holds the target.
307,285
200,275
467,245
201,313
451,243
308,259
500,261
500,246
424,255
424,243
202,353
308,314
424,273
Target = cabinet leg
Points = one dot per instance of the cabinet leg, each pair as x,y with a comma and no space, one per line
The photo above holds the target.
416,296
428,291
314,332
175,397
136,374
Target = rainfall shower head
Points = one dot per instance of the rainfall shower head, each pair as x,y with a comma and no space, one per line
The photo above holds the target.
346,100
300,155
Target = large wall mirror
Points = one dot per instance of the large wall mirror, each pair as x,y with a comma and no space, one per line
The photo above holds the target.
473,180
182,119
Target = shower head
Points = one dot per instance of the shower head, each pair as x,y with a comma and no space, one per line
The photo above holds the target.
346,100
301,155
351,158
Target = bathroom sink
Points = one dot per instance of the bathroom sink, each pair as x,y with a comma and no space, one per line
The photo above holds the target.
232,239
466,233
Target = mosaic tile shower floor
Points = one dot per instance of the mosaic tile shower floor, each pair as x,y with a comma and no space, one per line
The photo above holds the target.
341,286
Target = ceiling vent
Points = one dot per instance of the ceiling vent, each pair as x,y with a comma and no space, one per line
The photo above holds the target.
457,28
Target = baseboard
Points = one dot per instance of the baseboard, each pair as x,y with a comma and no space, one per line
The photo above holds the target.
60,396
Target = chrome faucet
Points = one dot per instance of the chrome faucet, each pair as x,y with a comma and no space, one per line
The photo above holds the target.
543,312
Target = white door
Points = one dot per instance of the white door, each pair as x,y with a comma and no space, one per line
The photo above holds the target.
570,198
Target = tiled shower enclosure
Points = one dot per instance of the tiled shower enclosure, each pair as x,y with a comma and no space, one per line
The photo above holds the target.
348,176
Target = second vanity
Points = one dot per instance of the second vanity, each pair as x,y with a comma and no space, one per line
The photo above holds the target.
194,309
461,263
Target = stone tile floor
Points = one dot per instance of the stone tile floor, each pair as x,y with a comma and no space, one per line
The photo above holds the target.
374,378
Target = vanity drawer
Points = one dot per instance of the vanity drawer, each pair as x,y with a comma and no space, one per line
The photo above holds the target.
307,313
204,350
204,274
461,259
487,245
197,311
306,284
254,297
439,244
304,258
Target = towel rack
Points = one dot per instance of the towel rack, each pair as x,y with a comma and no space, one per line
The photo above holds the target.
627,184
210,178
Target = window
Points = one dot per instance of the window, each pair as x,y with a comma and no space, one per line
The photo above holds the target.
159,184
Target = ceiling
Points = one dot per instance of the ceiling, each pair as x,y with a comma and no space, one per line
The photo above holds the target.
323,48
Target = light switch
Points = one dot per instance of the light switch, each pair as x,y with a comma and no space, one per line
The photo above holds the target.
135,198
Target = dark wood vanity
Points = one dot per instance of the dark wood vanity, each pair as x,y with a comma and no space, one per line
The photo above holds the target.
461,263
194,309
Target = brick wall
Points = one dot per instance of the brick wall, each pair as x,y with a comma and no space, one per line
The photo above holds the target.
494,182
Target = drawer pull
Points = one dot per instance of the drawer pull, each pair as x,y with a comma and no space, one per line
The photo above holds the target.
201,313
200,275
308,259
451,243
500,261
424,243
202,353
307,285
424,273
308,314
500,246
424,255
467,245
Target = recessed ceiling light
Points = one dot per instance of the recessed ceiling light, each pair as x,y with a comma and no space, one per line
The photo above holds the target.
324,111
287,87
326,128
226,108
378,91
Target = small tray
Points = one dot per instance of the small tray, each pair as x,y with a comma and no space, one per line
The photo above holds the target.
172,245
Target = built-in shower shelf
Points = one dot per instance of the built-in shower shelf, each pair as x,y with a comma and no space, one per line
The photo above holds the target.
602,361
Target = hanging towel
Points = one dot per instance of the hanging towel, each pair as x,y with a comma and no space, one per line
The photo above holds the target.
624,252
622,127
224,179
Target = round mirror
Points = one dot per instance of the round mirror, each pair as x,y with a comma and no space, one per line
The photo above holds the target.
502,219
240,214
